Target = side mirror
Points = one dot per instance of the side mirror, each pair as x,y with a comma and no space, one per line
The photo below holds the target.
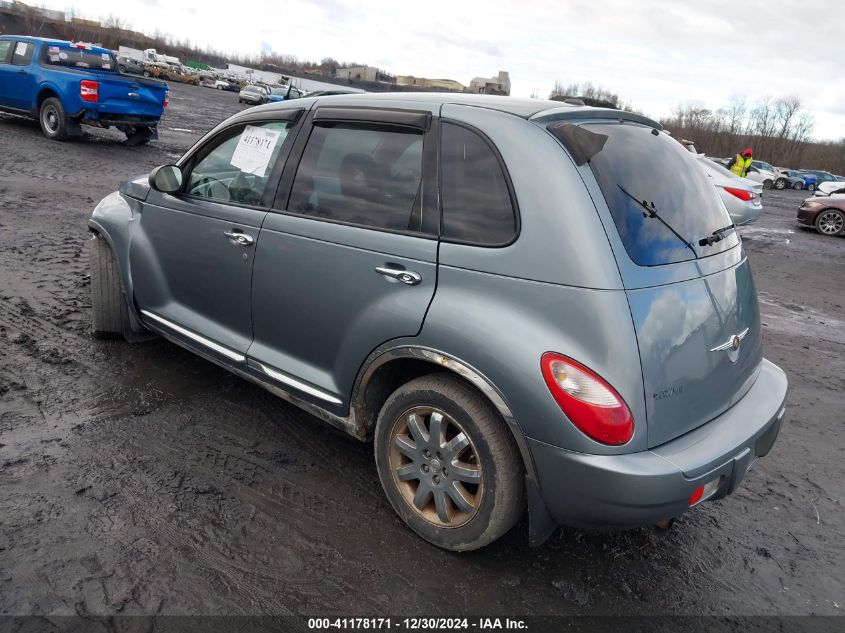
166,179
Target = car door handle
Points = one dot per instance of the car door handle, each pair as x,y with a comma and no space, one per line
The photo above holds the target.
405,276
239,239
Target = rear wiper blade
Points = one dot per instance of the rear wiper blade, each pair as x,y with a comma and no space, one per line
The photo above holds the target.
716,236
651,212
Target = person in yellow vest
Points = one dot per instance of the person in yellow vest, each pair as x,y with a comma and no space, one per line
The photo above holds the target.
741,162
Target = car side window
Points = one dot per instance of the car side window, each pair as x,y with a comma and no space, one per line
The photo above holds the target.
22,54
361,174
476,200
5,51
236,166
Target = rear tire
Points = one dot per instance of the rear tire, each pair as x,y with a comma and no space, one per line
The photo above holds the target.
457,493
52,118
830,222
767,184
811,187
109,314
141,136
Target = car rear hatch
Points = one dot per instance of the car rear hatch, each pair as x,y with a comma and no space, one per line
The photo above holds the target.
689,286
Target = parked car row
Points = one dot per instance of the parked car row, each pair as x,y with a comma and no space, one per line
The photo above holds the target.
779,178
257,94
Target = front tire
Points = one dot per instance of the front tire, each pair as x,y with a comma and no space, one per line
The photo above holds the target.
830,222
811,187
797,186
109,314
53,120
448,464
780,183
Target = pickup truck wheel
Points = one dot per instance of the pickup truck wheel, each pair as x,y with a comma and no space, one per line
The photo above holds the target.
53,120
109,314
448,464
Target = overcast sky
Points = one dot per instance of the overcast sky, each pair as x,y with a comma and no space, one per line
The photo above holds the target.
654,53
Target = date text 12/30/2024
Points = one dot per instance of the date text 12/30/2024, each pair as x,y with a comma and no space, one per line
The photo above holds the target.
417,624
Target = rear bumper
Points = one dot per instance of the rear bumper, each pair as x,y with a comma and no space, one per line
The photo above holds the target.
623,491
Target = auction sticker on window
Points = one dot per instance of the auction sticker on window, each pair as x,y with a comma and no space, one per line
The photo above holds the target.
255,149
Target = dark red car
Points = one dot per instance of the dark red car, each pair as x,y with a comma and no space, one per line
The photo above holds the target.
826,215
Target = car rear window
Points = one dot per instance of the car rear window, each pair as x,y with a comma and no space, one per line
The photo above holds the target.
661,202
71,57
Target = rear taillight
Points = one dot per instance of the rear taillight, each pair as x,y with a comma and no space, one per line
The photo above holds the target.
742,194
588,400
89,90
166,98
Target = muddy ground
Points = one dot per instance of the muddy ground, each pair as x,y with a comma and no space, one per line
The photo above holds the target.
142,479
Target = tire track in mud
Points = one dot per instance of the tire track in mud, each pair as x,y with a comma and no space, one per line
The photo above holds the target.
251,487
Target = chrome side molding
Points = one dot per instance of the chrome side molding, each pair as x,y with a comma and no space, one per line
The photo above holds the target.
278,376
205,342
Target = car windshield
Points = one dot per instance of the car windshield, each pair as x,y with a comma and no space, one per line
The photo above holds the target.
74,57
279,92
252,89
661,202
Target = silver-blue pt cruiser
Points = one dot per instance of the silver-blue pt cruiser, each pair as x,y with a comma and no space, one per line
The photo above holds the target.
522,303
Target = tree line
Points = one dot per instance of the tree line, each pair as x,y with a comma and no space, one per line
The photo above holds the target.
779,130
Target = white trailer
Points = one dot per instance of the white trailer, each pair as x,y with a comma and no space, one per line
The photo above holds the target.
131,53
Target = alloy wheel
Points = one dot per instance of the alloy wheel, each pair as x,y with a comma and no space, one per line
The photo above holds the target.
436,467
831,223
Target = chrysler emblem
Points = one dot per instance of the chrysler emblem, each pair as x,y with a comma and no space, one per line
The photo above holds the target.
732,345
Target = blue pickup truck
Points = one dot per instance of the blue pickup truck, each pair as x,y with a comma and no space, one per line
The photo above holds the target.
66,85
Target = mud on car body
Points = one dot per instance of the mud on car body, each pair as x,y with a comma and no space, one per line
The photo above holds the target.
509,297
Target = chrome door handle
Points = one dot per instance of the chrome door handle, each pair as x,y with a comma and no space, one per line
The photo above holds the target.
239,239
405,276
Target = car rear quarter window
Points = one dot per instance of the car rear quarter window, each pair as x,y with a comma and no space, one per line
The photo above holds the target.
477,205
360,174
661,202
5,51
22,53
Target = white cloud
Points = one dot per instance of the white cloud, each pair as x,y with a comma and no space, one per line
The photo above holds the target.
655,53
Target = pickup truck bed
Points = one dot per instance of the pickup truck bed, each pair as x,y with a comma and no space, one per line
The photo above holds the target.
67,85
